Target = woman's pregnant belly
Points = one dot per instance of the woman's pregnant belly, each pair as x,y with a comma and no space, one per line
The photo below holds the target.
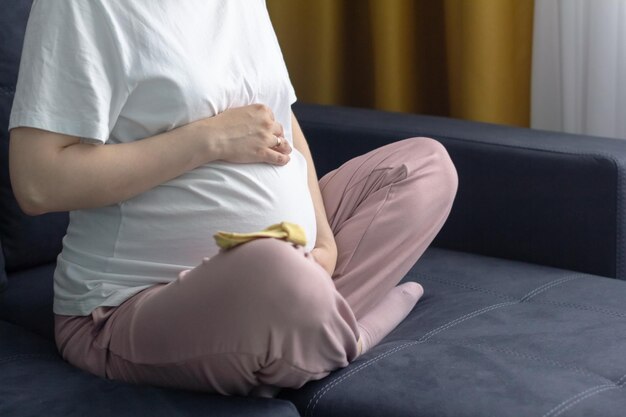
172,225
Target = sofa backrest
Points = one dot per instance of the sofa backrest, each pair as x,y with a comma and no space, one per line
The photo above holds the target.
547,198
26,241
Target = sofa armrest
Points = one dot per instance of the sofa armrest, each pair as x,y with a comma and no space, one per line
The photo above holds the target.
542,197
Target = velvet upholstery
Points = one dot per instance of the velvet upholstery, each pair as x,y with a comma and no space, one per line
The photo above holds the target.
490,337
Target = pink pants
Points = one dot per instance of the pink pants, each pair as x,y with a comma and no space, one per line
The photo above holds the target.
265,315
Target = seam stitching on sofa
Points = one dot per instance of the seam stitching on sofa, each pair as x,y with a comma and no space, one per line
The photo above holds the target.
320,393
461,285
535,358
542,288
458,320
570,402
618,384
581,307
584,397
525,298
547,286
24,356
542,359
325,389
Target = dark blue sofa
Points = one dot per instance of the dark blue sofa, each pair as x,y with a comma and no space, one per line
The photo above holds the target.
524,312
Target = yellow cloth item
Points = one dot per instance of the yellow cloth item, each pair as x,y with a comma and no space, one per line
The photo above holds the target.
284,230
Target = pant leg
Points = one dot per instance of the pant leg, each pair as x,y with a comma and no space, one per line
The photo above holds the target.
385,207
263,313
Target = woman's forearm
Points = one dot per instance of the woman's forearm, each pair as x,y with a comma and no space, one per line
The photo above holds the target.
54,172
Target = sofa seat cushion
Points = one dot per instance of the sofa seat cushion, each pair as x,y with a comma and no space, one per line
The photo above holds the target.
35,381
490,337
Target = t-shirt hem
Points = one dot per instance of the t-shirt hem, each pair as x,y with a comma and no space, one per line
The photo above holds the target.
77,308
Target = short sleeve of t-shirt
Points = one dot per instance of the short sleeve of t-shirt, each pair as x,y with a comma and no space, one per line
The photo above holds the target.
71,78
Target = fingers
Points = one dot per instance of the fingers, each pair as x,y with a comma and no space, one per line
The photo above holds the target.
277,129
280,144
277,141
276,158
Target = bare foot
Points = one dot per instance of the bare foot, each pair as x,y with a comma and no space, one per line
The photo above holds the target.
386,316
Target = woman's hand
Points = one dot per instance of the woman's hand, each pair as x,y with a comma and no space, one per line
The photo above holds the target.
326,257
248,134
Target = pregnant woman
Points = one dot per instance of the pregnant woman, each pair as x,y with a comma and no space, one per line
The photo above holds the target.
157,124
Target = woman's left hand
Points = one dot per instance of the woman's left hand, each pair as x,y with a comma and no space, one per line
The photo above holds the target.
326,256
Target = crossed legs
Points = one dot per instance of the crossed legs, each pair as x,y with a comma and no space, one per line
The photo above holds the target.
264,314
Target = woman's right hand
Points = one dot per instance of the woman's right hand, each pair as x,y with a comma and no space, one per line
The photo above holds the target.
248,134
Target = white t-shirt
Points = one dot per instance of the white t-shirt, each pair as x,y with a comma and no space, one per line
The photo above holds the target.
118,71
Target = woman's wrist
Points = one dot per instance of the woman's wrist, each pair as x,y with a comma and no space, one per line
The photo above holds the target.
325,254
208,136
326,243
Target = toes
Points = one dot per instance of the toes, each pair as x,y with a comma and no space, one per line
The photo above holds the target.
412,289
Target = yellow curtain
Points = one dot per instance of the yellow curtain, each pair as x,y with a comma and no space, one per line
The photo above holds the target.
467,59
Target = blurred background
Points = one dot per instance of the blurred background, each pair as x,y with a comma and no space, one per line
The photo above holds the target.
549,64
468,59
